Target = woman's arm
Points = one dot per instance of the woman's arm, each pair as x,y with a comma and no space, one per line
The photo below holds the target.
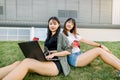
62,53
92,43
63,47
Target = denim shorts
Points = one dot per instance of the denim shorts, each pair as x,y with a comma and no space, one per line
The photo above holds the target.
72,58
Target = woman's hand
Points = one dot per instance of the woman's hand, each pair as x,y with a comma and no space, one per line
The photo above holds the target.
50,56
75,44
53,51
105,48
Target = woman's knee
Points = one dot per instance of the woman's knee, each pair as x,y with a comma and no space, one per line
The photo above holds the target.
99,50
17,62
26,62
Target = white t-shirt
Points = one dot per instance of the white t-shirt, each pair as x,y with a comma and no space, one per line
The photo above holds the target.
71,39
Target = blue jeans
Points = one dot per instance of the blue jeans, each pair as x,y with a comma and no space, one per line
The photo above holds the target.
72,58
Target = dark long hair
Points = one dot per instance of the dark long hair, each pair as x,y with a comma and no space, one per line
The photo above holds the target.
73,30
49,33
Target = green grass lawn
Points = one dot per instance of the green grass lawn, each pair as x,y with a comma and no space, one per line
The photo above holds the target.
97,70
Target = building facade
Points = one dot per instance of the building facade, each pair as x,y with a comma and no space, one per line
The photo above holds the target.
84,11
21,19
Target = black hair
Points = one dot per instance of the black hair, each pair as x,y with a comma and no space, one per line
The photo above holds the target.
49,33
74,27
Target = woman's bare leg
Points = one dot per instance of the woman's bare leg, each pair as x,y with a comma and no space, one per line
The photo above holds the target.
5,70
90,55
42,68
115,57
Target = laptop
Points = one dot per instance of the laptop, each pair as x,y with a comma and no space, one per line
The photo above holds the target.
32,49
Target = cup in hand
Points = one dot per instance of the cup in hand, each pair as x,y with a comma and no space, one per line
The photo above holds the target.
76,43
35,39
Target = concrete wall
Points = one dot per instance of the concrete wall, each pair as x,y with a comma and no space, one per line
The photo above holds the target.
90,34
29,13
100,34
17,33
116,12
84,11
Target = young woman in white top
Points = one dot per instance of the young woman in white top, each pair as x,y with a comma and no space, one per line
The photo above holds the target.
79,59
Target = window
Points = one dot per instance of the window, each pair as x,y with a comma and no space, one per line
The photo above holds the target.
1,10
67,13
14,34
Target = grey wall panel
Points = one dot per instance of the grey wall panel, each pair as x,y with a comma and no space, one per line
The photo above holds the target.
52,8
95,12
61,4
71,4
73,7
40,10
11,9
85,11
2,1
12,32
3,32
24,9
105,12
2,4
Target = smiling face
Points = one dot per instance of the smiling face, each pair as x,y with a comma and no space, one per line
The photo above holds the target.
69,25
53,25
